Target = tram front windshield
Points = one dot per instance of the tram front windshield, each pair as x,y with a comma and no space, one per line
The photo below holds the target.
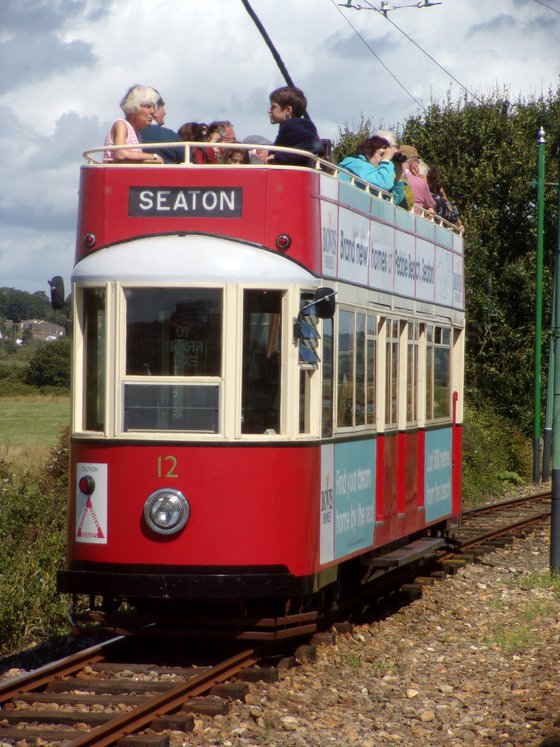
173,332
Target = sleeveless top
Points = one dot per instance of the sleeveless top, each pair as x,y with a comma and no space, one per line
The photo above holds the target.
131,138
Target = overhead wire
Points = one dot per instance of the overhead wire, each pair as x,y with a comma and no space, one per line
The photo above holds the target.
378,58
554,10
428,55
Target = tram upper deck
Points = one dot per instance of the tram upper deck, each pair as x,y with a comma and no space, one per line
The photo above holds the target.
330,227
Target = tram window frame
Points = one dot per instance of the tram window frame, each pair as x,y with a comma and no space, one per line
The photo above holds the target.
173,407
171,398
92,316
360,382
438,362
308,360
328,383
412,358
259,402
356,406
392,371
371,370
345,367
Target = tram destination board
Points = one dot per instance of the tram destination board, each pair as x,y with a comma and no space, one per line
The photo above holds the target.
194,202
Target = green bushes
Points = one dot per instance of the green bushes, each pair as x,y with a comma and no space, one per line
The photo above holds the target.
50,366
496,456
32,548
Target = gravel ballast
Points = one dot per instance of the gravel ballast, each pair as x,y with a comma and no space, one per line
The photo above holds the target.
473,662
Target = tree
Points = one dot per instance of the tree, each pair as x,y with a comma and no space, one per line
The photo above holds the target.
20,305
487,153
50,366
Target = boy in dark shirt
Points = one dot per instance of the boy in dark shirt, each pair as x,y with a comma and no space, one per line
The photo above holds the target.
287,108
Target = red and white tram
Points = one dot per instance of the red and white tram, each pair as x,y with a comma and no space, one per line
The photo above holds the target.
267,383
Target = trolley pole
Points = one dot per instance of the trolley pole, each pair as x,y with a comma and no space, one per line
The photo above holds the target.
538,311
555,505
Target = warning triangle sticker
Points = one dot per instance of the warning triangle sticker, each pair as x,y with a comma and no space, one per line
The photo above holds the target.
89,525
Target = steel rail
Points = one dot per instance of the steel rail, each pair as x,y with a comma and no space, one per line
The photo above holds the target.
38,677
492,507
496,532
141,716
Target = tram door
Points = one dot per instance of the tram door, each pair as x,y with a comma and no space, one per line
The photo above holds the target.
260,399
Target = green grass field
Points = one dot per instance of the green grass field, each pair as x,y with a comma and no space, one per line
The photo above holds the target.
33,420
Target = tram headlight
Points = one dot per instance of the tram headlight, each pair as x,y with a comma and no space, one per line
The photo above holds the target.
166,511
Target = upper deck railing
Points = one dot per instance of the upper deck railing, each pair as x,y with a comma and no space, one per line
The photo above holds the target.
95,157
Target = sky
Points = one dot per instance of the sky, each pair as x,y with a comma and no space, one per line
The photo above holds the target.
66,64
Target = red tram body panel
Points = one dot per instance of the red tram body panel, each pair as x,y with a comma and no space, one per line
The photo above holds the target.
273,204
231,437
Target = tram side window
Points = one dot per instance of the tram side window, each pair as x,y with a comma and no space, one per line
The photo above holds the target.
360,406
260,399
438,374
173,332
412,373
345,386
328,381
94,358
308,358
392,373
371,360
356,369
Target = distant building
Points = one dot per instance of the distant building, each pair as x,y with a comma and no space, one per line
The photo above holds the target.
42,330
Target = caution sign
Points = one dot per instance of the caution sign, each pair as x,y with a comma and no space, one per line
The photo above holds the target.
91,503
89,526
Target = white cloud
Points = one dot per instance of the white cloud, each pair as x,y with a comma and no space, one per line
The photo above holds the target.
65,65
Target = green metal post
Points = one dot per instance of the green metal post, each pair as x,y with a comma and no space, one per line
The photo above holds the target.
551,376
555,491
547,433
538,311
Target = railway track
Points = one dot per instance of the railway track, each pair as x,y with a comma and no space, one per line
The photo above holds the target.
95,698
505,517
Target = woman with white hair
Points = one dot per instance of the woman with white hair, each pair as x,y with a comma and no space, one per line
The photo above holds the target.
138,105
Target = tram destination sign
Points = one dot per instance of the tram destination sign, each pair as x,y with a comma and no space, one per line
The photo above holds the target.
192,202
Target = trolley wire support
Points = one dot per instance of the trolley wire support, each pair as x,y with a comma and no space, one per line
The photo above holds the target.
270,44
386,8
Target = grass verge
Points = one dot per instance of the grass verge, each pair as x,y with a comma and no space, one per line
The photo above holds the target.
36,420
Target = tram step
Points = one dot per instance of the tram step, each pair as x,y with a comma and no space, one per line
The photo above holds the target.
408,553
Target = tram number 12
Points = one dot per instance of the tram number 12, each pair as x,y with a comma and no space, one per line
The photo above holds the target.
166,466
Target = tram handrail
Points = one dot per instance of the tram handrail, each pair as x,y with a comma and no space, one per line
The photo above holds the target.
319,164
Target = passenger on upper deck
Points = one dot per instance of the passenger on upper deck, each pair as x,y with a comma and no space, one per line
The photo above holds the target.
235,156
258,155
418,184
225,130
210,154
373,163
157,133
287,108
196,132
138,106
388,135
443,208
